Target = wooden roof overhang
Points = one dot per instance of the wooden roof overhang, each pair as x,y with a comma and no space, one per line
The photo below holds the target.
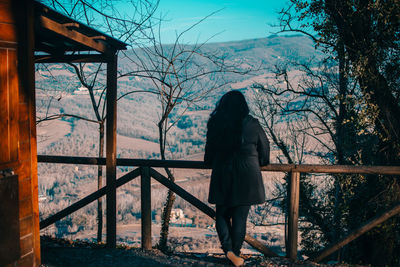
64,39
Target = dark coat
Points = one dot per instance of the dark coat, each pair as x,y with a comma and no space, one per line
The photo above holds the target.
237,180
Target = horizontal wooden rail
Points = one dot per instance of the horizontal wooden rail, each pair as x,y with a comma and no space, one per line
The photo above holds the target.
186,164
206,209
341,169
87,200
72,160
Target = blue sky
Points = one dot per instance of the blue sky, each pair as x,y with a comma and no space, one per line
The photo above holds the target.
238,19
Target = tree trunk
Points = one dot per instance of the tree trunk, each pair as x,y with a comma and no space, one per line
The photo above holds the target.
375,85
363,56
166,214
340,142
100,184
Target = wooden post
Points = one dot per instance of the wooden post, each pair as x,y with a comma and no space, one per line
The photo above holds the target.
293,214
111,148
145,198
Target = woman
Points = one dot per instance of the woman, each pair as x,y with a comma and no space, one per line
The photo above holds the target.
236,147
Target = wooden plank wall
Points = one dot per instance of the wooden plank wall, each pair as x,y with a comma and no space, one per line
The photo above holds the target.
17,121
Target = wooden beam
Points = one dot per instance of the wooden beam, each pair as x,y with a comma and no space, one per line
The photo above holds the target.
206,209
145,196
259,246
375,221
71,25
99,37
293,214
83,58
87,200
111,151
66,31
313,168
187,164
25,18
71,160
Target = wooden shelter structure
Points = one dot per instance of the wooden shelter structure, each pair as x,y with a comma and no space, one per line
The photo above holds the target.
27,27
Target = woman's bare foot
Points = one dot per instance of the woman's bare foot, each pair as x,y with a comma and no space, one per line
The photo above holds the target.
237,261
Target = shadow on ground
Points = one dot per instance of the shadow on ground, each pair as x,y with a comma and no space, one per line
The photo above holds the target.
61,252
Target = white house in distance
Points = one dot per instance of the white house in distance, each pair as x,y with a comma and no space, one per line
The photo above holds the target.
178,217
81,91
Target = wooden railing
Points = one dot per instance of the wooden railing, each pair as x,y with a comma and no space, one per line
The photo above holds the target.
146,172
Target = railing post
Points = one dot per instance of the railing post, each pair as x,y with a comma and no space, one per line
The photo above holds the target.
293,214
111,148
145,190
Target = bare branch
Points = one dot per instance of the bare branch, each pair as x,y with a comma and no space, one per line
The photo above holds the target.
59,116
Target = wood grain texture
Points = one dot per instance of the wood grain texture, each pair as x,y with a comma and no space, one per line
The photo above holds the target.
7,33
24,133
111,150
23,109
5,108
25,154
26,244
5,12
293,214
145,201
314,168
26,226
186,164
72,35
14,99
9,106
25,189
25,208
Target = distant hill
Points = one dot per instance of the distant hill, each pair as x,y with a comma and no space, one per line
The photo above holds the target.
138,113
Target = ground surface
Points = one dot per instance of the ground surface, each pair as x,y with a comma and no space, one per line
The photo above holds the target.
56,252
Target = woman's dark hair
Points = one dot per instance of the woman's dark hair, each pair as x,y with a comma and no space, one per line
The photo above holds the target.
225,123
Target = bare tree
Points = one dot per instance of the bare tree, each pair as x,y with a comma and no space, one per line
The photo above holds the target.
182,75
104,15
307,111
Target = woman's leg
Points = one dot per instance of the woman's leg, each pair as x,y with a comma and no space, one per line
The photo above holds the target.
239,219
224,228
